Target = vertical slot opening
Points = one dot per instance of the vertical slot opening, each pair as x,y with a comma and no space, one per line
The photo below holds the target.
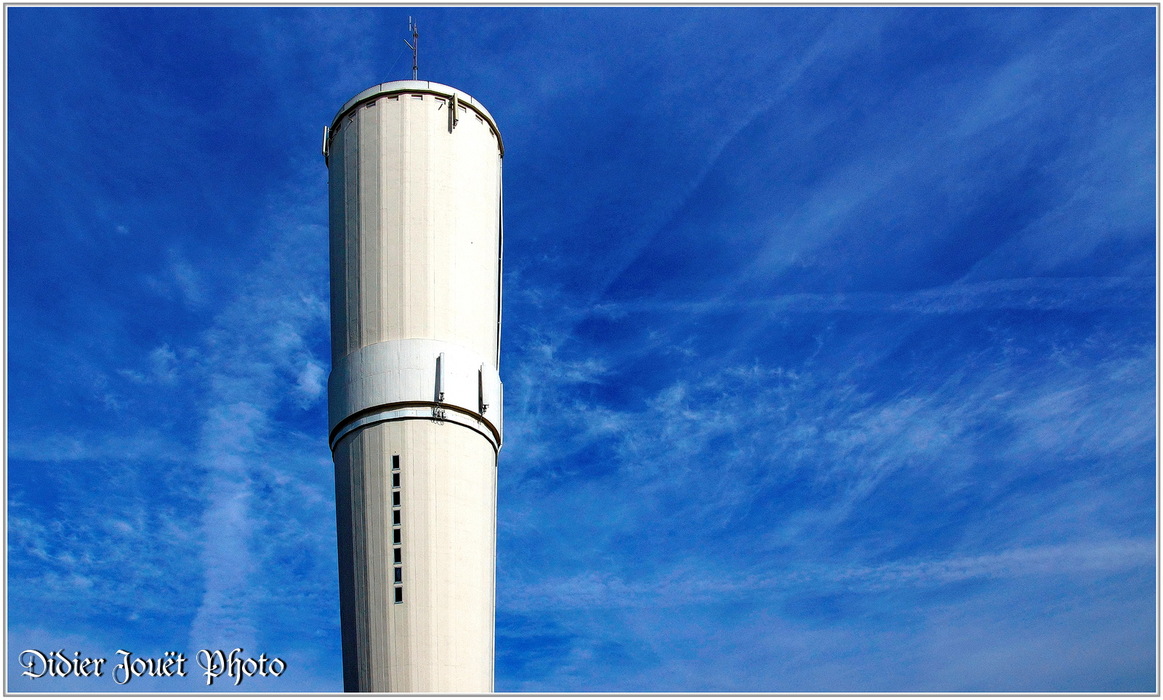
397,550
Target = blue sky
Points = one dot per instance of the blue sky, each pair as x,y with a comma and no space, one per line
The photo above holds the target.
829,343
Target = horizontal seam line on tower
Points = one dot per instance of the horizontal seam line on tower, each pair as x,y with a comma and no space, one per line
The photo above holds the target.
380,408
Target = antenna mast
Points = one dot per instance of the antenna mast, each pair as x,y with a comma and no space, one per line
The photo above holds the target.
415,45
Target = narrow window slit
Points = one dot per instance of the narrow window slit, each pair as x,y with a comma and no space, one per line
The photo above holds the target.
397,535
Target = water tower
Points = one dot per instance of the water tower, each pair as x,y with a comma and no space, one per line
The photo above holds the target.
415,398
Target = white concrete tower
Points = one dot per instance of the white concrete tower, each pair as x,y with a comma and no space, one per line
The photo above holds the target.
414,394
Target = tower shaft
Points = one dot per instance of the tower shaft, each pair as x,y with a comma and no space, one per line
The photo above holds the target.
415,399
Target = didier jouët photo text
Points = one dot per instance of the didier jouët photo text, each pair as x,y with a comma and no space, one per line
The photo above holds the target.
214,664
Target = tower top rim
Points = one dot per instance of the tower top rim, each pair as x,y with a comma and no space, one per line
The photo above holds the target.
396,87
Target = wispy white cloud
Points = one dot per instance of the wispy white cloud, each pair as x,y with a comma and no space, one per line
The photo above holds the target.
258,358
188,280
179,279
311,383
1032,294
148,444
110,544
691,585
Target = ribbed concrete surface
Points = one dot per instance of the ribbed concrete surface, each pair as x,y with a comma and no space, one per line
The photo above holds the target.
415,214
440,638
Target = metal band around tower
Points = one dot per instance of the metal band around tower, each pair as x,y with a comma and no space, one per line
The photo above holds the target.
411,379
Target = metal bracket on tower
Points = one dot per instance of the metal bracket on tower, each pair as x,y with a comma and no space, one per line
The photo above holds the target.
438,412
453,112
484,399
